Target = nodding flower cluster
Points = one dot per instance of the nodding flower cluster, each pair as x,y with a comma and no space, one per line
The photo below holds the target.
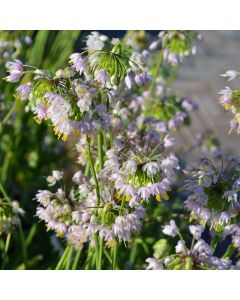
198,256
140,167
78,215
78,98
10,213
177,45
230,100
213,192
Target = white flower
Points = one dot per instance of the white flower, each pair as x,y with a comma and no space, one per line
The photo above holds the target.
41,111
85,102
231,195
151,168
171,229
23,91
154,264
56,176
95,41
196,231
102,77
131,166
144,192
201,247
153,45
230,74
77,177
181,248
15,69
168,141
58,112
43,197
78,62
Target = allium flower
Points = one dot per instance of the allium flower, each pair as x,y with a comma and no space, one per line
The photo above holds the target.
189,105
151,168
213,195
58,112
181,247
169,141
102,77
43,197
199,256
129,79
41,112
161,127
154,264
143,79
171,229
230,74
154,45
131,166
23,91
14,77
56,176
201,247
15,69
78,62
196,231
140,175
73,216
235,126
95,41
85,102
226,97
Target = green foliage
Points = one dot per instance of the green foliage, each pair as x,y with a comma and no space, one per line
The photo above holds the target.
161,249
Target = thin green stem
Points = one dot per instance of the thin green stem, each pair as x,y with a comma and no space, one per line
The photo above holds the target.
101,246
183,242
62,259
8,115
87,169
96,250
229,252
215,241
69,259
93,170
5,166
115,254
172,76
7,244
5,194
108,256
76,260
98,245
192,244
100,150
24,248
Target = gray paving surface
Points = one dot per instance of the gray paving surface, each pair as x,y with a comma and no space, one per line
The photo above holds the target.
199,80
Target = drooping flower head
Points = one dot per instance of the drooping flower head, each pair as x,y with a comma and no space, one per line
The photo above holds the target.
15,70
213,192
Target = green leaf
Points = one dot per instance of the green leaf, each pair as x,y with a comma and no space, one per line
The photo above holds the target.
161,249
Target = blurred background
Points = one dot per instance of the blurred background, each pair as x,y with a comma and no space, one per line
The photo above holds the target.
199,79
